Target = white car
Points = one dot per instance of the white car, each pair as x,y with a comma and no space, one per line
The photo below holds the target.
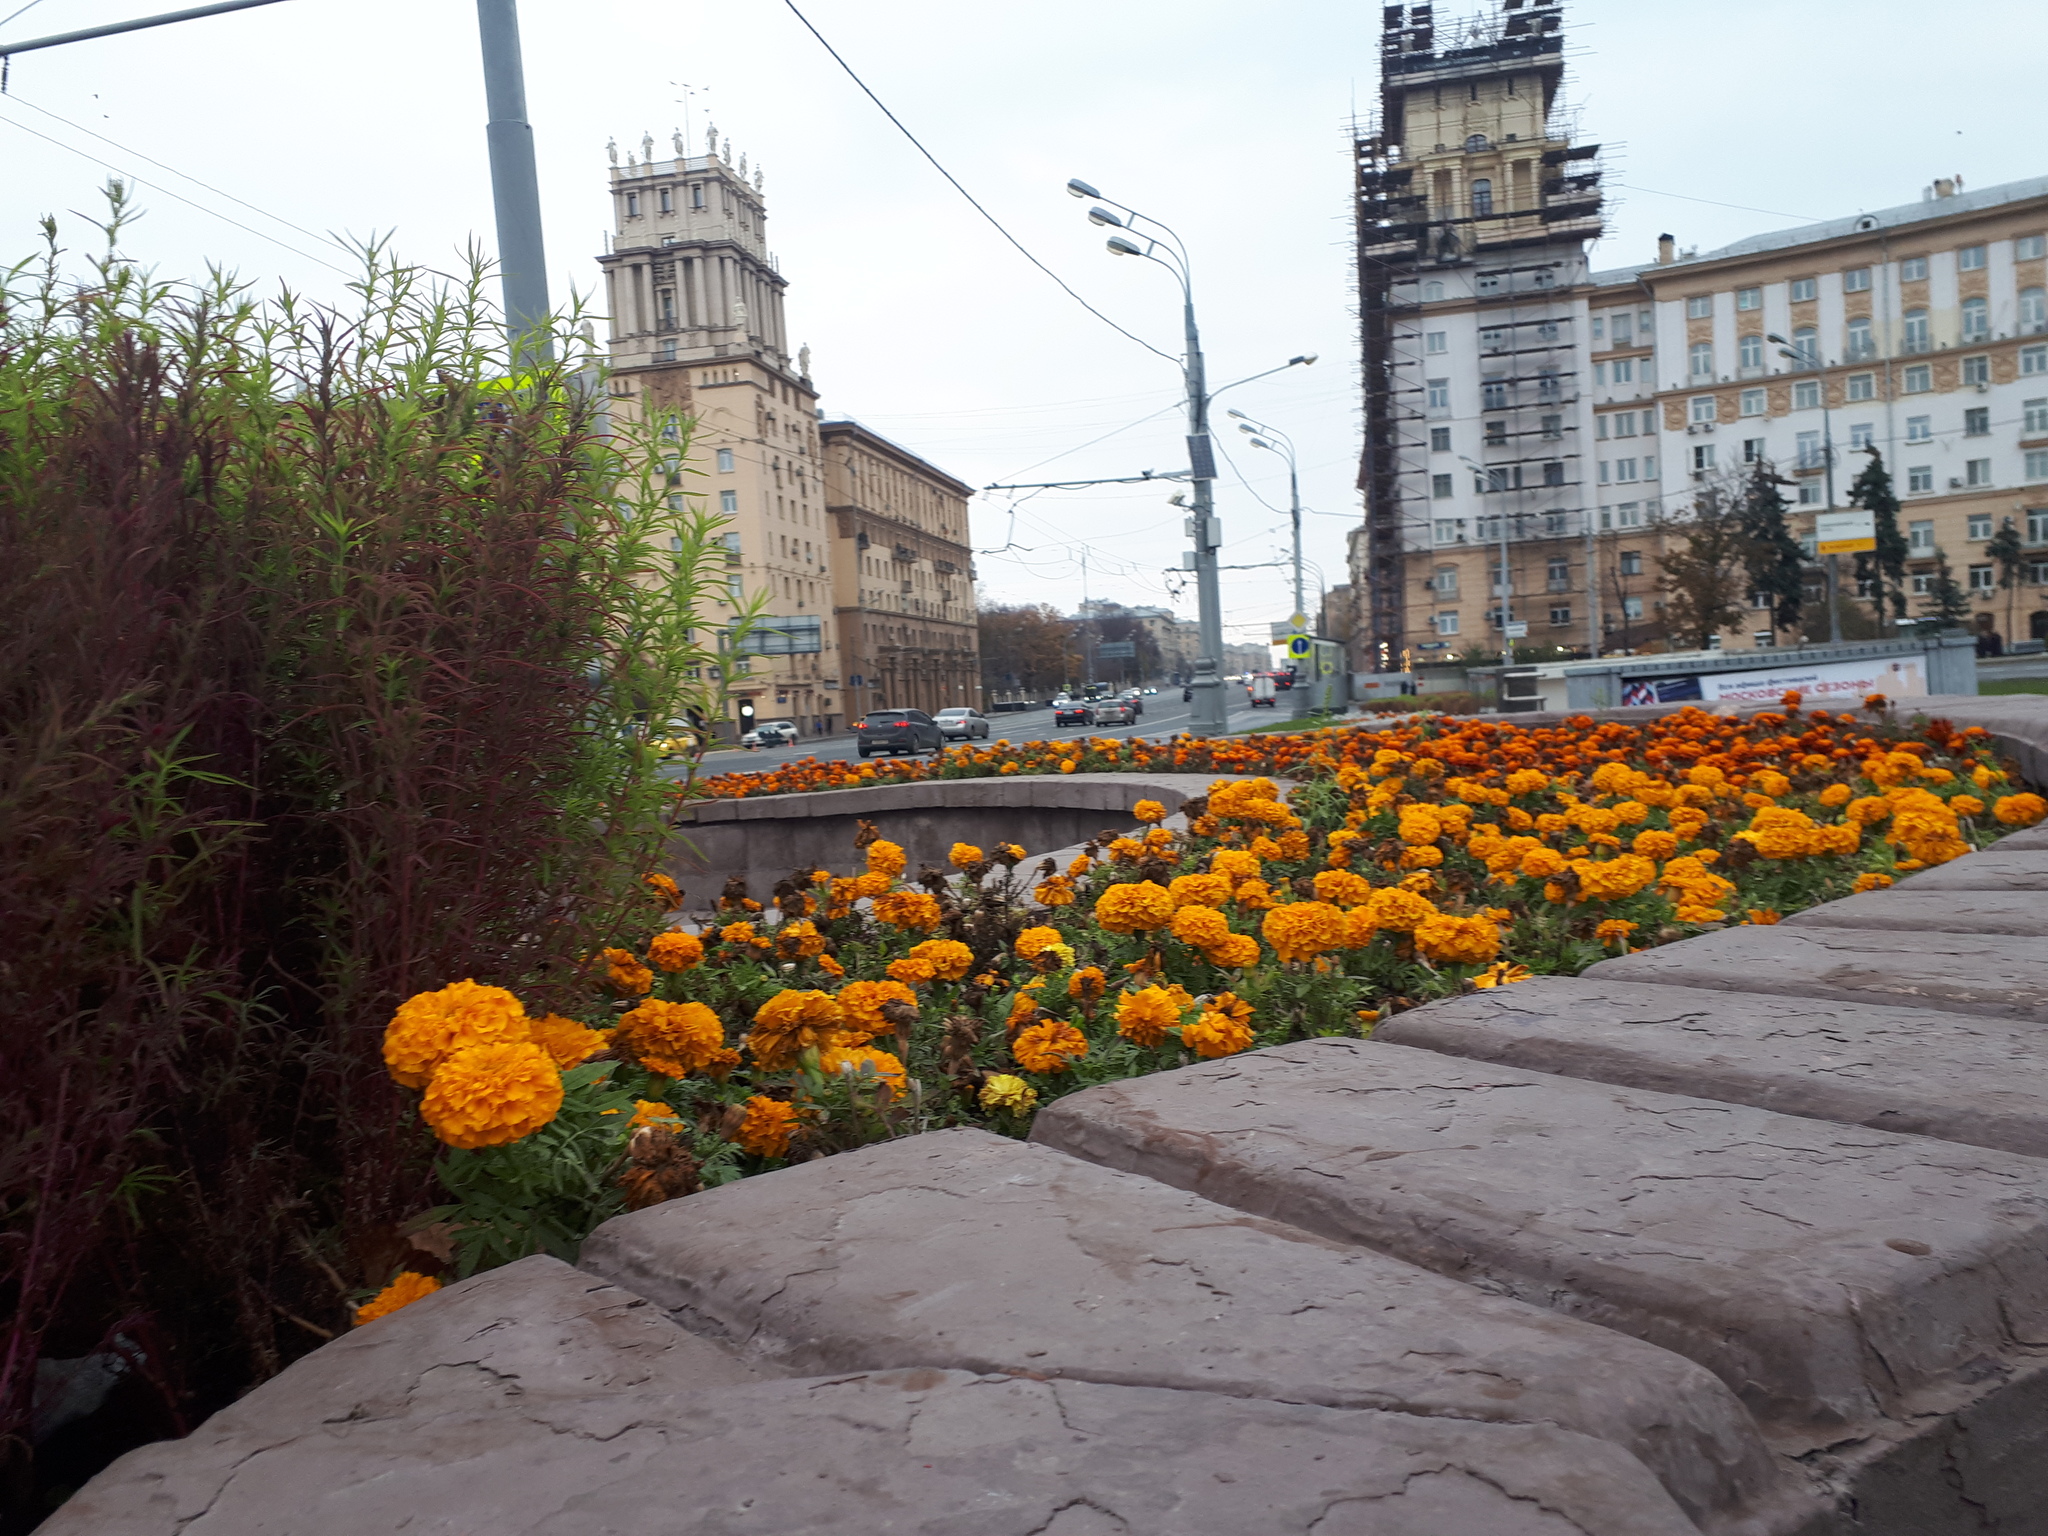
962,724
771,733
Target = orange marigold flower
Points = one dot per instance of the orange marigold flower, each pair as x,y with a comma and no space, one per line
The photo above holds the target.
1391,907
868,887
1051,1046
1764,916
650,1112
909,909
1457,940
948,958
674,1039
1422,858
1033,942
915,972
791,1022
1143,1017
675,950
1301,930
1234,952
1149,810
1054,891
487,1095
569,1044
1234,865
1966,805
885,857
860,1005
1500,974
856,1060
1134,908
1294,845
401,1292
1613,930
830,966
766,1130
963,854
1254,896
1216,1034
1655,844
1342,888
430,1025
1199,890
2019,810
665,890
1542,863
1201,927
1088,984
627,974
1872,882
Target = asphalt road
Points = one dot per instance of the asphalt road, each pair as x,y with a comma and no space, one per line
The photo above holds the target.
1165,715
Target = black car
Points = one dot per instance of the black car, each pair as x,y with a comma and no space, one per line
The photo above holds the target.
1073,712
897,730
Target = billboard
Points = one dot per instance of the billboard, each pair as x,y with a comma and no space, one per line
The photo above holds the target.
1898,677
1845,533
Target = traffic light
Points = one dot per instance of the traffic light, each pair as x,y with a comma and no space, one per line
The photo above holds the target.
746,714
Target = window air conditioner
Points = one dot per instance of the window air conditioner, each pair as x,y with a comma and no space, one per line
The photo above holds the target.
1955,483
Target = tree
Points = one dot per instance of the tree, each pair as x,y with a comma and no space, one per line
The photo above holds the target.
1114,622
1705,578
2010,555
1946,599
1773,559
1885,567
1026,648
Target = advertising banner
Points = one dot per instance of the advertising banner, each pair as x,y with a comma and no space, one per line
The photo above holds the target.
1896,677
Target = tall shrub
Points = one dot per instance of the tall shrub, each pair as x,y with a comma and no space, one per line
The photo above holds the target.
328,649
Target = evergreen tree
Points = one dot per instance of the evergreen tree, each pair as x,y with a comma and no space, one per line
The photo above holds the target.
2010,555
1773,559
1946,599
1885,567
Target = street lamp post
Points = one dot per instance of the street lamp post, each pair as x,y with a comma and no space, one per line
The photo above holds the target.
1281,443
1811,361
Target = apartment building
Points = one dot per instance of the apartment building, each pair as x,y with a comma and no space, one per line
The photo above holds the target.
903,575
1536,431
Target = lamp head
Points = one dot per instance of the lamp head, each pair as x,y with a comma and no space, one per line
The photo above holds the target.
1777,338
1244,426
1119,246
1076,187
1260,442
1099,215
1237,415
1305,358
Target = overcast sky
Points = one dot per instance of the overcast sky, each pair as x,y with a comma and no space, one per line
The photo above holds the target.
1227,121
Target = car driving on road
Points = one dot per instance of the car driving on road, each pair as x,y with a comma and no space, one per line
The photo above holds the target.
1116,712
897,730
963,724
1072,712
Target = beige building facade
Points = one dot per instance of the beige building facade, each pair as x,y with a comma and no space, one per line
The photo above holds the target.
903,575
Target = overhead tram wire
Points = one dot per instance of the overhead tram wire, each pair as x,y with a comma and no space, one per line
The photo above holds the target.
992,219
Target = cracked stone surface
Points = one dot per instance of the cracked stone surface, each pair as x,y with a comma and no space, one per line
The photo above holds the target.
912,1451
2014,842
1835,1277
1956,1076
2022,914
1992,974
965,1250
2001,867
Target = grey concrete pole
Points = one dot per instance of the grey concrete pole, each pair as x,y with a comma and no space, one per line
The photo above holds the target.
1209,713
515,185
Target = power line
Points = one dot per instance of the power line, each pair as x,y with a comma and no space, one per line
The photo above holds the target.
1048,271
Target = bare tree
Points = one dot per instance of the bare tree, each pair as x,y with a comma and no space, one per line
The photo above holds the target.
1705,579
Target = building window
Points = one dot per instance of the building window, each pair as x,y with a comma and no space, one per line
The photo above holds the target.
1624,470
1920,582
1599,327
1977,421
1437,341
725,461
1920,537
1860,343
1856,280
1752,450
1447,623
1445,582
1970,259
2035,418
1557,573
1977,472
1549,384
1702,354
1803,289
1806,342
2033,311
2030,247
666,205
1753,402
1919,379
1920,477
2037,466
1862,386
1699,307
1809,450
1553,473
632,205
1439,439
1493,339
1493,395
1631,562
1599,375
1625,370
1439,486
1702,458
1496,434
696,194
1432,292
1552,426
1624,330
1980,526
1446,530
1497,478
1482,198
1977,370
1560,613
1916,330
1439,394
1749,298
1981,579
1806,395
2037,525
1919,429
728,501
1913,270
1861,435
1977,318
1632,607
1554,525
1749,353
1702,408
2033,360
1489,282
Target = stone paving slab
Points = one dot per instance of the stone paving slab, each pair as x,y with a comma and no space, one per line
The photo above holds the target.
2022,914
965,1250
2001,867
1833,1276
1915,1071
2030,839
913,1451
1995,975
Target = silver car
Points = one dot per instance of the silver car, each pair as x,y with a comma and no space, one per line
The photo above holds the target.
1115,712
962,724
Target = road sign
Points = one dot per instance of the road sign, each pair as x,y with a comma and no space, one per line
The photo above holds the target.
1845,533
1299,621
1516,629
1117,650
1299,646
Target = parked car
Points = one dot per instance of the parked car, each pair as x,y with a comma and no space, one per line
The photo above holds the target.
963,724
1116,712
897,730
1073,713
680,739
770,733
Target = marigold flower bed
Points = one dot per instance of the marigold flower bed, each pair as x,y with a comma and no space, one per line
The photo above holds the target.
1407,864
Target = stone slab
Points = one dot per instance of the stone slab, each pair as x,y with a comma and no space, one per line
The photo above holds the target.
1837,1278
1995,975
2021,914
913,1451
965,1250
1915,1071
2031,839
2001,867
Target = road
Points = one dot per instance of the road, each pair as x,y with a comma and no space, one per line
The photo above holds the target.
1165,715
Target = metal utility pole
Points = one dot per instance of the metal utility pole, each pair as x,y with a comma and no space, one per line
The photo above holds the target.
515,184
1263,436
1209,713
1811,361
